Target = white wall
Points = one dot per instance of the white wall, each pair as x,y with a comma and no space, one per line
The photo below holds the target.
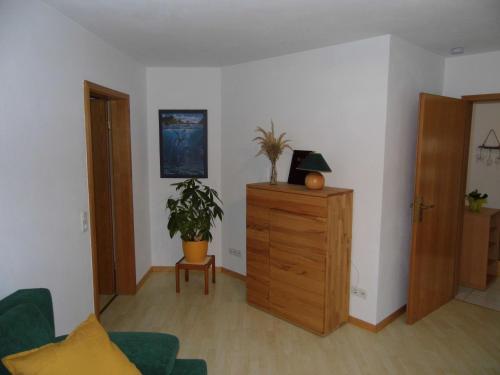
485,178
356,103
472,74
45,59
412,70
332,100
180,88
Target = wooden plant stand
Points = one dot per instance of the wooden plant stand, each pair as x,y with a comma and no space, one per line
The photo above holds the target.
182,264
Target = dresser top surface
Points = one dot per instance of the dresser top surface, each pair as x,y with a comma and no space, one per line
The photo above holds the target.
485,211
283,187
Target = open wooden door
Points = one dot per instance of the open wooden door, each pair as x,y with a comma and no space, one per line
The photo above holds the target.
438,203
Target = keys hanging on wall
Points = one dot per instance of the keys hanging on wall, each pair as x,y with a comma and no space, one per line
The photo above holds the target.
487,152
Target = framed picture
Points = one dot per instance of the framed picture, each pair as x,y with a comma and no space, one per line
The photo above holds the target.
183,143
296,176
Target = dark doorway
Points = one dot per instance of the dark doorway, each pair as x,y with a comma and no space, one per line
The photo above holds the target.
109,166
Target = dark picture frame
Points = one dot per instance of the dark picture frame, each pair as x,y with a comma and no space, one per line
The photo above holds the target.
183,143
297,176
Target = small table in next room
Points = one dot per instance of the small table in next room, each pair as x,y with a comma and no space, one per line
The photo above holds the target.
186,266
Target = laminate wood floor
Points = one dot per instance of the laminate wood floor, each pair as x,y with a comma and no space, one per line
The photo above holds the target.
234,338
489,298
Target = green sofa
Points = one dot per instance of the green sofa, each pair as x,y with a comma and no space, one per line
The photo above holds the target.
27,322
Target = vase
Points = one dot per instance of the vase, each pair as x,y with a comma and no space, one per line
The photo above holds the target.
274,174
475,205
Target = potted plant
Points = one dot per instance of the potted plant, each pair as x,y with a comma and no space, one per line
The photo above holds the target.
193,214
476,200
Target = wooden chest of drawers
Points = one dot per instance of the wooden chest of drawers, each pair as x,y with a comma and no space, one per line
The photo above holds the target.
480,248
298,253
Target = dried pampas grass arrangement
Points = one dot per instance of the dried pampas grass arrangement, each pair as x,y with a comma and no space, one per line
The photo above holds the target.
272,147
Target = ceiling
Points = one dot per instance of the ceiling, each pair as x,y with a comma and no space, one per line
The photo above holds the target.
226,32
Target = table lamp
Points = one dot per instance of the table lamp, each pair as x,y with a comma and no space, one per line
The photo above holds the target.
314,163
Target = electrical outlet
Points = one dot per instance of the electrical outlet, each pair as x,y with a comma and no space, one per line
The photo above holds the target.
358,292
235,252
84,221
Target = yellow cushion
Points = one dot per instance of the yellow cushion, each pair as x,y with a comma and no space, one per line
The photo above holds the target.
87,350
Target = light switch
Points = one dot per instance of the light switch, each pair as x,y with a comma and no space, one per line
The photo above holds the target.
84,221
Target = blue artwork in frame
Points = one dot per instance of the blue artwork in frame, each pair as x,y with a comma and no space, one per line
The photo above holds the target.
183,143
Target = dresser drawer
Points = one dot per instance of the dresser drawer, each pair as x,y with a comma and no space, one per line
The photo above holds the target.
295,203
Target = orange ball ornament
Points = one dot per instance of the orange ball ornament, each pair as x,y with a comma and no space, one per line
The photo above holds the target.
315,181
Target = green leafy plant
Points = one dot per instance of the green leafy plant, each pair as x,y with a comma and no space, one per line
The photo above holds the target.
476,195
476,200
194,213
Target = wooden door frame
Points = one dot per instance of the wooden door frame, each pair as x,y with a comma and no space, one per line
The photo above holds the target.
482,98
120,102
471,99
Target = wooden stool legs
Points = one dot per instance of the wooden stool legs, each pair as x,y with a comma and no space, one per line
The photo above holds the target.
182,265
213,269
177,286
206,281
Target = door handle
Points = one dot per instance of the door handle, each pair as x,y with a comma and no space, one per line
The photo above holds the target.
418,209
425,207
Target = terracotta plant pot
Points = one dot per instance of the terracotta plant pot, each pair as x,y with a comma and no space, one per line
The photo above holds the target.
195,251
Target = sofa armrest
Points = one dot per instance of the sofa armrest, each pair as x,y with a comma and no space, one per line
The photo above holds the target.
39,297
152,353
190,367
59,338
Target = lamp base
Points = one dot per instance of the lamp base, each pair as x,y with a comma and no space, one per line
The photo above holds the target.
315,181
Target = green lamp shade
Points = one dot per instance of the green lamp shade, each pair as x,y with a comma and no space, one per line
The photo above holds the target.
314,162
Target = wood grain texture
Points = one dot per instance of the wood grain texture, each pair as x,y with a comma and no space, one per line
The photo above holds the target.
375,328
480,248
338,259
235,338
482,97
204,266
440,182
287,201
144,278
122,118
123,197
257,278
298,231
283,187
362,324
231,273
90,174
162,268
298,254
468,107
103,92
103,204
